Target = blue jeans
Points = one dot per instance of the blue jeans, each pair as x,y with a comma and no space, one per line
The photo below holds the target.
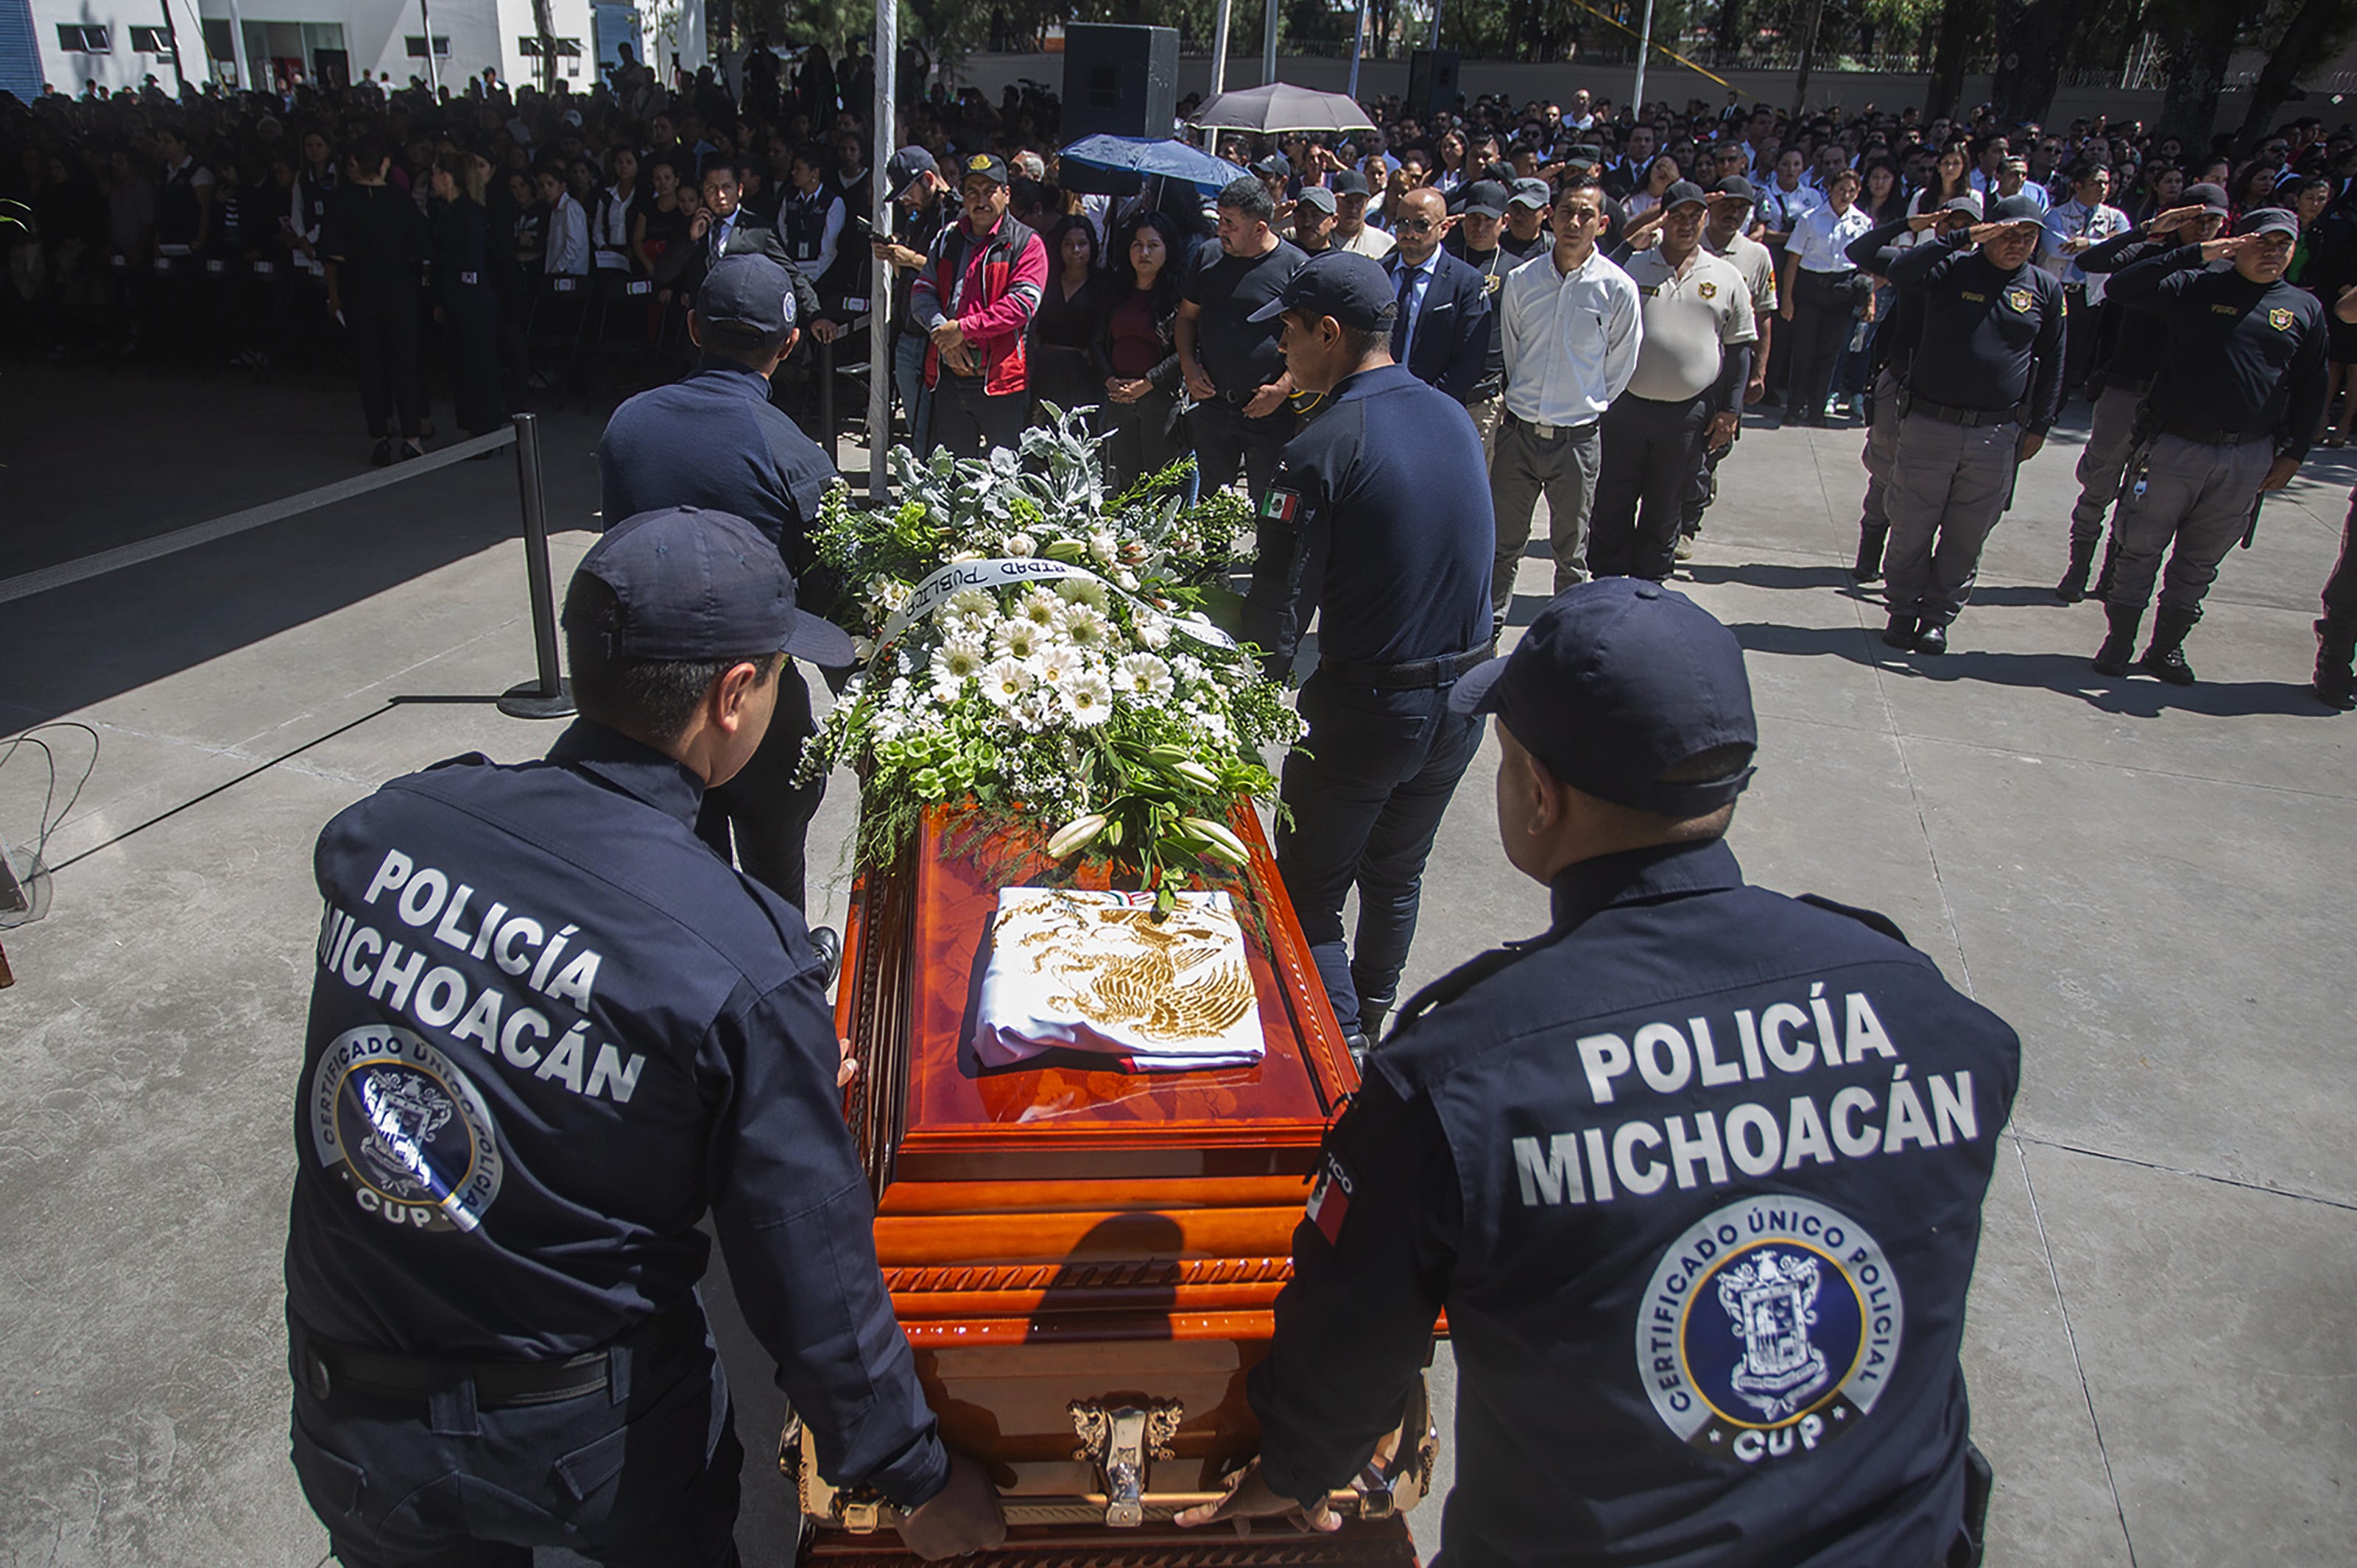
1367,792
916,400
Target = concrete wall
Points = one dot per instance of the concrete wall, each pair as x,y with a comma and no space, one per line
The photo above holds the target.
1521,81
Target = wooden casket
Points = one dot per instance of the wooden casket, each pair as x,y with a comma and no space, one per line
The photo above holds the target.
1085,1261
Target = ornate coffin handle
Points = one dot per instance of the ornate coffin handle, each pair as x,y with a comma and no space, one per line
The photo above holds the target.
1120,1442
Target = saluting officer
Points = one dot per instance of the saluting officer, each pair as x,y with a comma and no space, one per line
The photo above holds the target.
2136,358
1384,490
1982,390
2234,406
549,1029
657,451
1894,347
1685,395
1696,1172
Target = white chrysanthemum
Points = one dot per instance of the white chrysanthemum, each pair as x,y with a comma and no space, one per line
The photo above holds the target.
958,659
1037,606
886,594
971,602
1085,628
1190,669
1089,699
1088,590
1004,681
1143,675
1035,710
1055,667
1101,544
1018,639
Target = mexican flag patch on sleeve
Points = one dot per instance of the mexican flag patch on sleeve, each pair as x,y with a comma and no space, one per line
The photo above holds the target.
1281,506
1329,1200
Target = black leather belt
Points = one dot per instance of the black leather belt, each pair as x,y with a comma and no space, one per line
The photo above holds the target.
1548,432
2202,438
332,1369
1971,418
1420,674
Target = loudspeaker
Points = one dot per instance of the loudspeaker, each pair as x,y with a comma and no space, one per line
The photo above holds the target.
1431,82
1123,81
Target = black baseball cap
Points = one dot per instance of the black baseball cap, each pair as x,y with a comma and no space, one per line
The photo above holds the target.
1737,188
1617,682
1349,182
705,585
1681,192
1276,165
1531,191
2019,208
2208,197
1352,288
747,297
1485,199
986,164
1315,196
905,165
2268,220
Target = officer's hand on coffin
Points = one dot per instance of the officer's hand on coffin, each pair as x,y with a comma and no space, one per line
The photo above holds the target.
1249,1498
963,1516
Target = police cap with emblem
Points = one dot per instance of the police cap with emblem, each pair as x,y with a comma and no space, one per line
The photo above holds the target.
1352,288
987,165
695,584
1618,683
747,299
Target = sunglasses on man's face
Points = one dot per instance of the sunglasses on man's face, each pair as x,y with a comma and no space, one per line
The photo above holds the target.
1417,225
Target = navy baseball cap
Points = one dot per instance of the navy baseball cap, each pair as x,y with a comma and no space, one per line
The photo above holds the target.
1315,196
2268,220
2019,208
1276,165
705,585
747,297
1486,198
1352,288
2208,197
1618,683
905,165
1531,191
1349,182
988,165
1681,192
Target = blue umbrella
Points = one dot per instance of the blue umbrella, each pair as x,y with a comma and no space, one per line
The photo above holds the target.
1145,155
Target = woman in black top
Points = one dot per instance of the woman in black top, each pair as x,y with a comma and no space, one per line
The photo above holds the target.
464,301
1064,369
1136,345
659,222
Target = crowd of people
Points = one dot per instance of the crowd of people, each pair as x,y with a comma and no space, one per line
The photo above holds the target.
494,243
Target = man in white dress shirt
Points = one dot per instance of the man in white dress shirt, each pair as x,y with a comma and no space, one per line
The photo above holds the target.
1572,325
2073,228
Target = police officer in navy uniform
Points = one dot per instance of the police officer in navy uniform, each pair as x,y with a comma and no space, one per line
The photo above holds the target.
1982,390
715,440
549,1029
2234,406
1384,491
1696,1172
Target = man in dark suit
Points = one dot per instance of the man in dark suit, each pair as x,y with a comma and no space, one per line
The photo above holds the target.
722,227
1442,331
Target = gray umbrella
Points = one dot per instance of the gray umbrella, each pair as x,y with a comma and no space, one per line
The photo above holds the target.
1281,106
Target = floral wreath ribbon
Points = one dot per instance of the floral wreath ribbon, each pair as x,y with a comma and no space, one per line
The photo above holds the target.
1007,572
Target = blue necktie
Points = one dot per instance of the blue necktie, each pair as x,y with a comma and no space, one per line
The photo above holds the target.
1405,330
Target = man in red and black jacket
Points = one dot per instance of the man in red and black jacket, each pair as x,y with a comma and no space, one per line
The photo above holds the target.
973,298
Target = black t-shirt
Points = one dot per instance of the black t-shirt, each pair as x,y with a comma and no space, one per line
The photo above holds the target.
1240,354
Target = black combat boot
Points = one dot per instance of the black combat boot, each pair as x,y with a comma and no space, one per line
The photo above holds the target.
2336,652
1871,537
1932,639
1902,631
2165,658
2103,588
2073,585
2112,658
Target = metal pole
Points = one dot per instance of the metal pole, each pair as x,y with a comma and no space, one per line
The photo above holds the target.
1358,42
1644,52
1268,42
172,36
237,52
551,695
1219,51
879,285
433,71
1434,42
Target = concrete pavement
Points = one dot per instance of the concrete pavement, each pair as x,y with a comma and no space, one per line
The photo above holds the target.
2145,881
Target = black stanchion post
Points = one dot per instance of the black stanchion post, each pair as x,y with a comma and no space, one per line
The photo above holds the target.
550,696
826,400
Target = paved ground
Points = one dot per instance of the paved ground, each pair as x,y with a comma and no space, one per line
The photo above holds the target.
2146,882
